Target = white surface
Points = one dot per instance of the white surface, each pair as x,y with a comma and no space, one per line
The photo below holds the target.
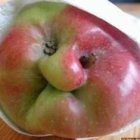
6,14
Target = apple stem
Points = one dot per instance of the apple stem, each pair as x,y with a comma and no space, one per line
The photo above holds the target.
87,61
50,48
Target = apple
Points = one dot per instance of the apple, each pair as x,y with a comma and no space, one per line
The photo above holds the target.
68,73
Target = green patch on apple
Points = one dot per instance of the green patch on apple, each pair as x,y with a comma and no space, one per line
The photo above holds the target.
39,12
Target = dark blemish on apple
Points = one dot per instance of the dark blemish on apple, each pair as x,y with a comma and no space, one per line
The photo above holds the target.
50,48
87,61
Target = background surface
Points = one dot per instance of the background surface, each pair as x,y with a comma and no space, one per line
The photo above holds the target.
122,1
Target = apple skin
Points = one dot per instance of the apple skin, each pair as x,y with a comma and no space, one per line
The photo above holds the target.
68,73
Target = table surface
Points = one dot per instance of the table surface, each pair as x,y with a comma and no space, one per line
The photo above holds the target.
7,133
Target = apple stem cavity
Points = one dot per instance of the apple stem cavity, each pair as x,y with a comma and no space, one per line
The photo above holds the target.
87,61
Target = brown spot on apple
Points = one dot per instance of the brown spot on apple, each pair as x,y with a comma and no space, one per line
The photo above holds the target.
87,61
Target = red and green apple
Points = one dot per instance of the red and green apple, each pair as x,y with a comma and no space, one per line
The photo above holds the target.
68,73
